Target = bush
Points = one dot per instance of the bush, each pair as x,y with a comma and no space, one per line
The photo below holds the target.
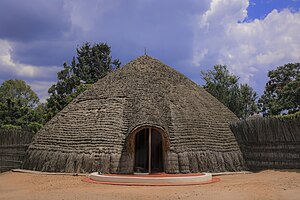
10,126
34,126
289,116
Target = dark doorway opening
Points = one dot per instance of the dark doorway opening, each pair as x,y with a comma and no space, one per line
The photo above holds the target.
148,151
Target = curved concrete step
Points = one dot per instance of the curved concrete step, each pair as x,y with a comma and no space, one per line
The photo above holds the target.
153,179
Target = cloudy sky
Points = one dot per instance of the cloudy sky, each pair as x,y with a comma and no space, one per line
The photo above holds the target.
250,37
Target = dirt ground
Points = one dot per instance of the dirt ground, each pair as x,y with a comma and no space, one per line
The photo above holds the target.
269,184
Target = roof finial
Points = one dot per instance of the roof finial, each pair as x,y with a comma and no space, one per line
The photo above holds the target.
145,51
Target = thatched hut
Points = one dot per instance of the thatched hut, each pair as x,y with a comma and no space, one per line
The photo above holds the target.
144,117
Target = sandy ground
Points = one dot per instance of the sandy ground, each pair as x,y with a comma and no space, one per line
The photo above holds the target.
265,185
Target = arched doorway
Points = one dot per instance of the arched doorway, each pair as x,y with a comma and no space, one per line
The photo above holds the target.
148,151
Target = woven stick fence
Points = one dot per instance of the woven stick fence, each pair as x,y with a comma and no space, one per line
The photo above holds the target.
268,143
13,145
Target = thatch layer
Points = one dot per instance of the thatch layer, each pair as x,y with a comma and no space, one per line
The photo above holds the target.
94,130
269,142
187,162
13,145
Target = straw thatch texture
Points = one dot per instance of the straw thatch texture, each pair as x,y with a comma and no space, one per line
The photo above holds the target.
93,132
269,142
13,145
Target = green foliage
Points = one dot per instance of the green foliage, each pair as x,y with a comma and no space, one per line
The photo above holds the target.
18,105
91,64
247,101
34,126
282,91
18,92
10,126
289,116
239,98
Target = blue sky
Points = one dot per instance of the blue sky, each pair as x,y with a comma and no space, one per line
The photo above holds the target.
261,8
250,37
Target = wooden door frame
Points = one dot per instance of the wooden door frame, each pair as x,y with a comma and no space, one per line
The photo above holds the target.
165,144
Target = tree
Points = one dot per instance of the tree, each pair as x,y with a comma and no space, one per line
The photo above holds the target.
248,101
91,64
239,98
18,105
282,91
18,91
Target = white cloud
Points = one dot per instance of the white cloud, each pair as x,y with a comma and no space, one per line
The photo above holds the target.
246,47
214,16
9,66
36,76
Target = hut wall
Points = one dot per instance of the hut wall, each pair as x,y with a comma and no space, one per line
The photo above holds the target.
269,142
13,145
92,132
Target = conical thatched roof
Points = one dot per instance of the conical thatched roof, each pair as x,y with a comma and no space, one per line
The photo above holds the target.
94,130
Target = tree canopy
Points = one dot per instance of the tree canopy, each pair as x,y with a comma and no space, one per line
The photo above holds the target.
18,106
92,63
282,91
239,98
